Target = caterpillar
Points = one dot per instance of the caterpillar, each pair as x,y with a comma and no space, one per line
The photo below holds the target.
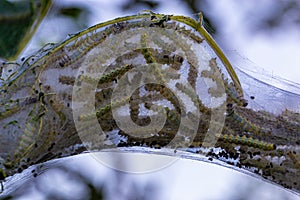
245,124
244,140
106,77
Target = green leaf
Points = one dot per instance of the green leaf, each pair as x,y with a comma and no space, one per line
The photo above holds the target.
18,22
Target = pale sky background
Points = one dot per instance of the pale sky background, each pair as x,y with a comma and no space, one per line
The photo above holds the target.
277,53
185,179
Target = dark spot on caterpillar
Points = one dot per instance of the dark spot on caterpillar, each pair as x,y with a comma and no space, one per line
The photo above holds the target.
2,177
47,87
267,173
231,154
23,58
180,59
252,97
230,163
137,143
24,166
229,105
41,96
61,64
51,146
236,156
153,143
250,154
122,144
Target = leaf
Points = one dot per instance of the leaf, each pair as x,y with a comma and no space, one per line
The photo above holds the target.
18,21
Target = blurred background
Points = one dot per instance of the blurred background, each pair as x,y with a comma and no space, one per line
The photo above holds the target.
264,32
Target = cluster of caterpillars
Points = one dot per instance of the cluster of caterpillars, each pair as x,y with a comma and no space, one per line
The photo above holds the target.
163,59
175,61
